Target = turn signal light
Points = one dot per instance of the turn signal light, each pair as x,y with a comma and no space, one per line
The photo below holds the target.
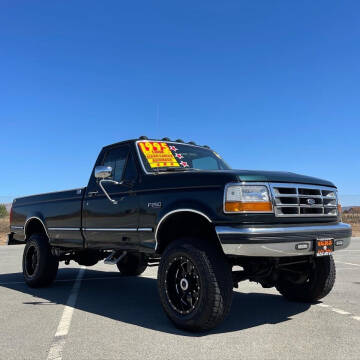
238,206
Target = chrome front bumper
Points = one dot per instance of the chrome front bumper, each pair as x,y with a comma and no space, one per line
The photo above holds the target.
276,241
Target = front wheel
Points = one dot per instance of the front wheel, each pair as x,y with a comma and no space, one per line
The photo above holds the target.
195,285
39,265
318,284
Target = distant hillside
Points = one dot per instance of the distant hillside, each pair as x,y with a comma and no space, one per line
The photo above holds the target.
4,229
351,210
4,226
351,215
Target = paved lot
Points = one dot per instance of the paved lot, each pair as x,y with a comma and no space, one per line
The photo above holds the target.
103,316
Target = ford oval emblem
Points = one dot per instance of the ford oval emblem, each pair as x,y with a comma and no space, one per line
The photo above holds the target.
311,201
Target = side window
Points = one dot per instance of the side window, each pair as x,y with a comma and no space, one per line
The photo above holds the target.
130,171
116,158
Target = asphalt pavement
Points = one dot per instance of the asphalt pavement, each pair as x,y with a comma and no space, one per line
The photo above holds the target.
96,314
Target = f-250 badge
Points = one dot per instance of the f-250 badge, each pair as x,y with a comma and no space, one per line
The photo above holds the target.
155,205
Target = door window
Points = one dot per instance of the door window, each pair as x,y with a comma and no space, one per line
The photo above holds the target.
130,171
116,158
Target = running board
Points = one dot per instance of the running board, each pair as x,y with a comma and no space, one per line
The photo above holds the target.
115,257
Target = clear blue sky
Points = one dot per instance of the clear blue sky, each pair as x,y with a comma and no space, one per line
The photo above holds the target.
271,85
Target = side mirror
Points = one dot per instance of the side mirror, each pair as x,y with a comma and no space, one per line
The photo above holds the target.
102,172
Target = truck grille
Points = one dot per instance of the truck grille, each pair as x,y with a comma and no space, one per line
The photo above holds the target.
294,200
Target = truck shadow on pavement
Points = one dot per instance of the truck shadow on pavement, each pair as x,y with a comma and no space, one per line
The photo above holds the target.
135,300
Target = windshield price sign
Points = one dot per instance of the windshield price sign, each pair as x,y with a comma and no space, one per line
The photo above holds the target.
158,154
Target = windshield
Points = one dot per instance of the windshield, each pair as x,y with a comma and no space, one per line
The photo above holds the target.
172,156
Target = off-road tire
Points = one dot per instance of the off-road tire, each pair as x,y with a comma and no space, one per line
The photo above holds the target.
319,284
133,264
42,271
215,279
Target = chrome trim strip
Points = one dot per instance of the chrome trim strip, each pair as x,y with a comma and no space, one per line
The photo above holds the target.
276,249
35,217
248,183
280,230
145,229
173,212
63,229
304,186
111,229
119,229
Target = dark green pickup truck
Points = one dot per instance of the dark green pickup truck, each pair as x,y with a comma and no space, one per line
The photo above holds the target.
180,206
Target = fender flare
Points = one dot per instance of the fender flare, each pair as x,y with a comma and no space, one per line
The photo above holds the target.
173,212
41,221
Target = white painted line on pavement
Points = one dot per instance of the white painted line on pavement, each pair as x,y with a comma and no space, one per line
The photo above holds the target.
346,263
340,251
339,311
56,348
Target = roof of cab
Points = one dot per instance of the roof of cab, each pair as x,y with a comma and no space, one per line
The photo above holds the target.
143,139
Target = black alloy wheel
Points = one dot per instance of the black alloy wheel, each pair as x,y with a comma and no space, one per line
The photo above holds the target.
195,284
31,260
39,264
134,264
183,288
318,283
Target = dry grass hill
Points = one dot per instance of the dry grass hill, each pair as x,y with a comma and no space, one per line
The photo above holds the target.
4,229
352,217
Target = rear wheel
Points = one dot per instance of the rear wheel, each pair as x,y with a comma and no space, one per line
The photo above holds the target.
39,265
195,285
318,283
133,264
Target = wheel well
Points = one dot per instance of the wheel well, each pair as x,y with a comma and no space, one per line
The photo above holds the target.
183,224
34,226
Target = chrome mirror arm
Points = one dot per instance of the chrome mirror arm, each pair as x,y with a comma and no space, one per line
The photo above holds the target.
105,192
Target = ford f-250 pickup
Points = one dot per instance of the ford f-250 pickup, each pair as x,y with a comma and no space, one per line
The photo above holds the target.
180,206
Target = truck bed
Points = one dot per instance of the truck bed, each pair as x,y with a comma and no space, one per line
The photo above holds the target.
60,213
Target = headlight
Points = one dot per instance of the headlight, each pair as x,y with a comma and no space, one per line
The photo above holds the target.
247,198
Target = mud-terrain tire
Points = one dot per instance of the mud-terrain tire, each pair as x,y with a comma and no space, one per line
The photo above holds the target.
133,264
319,283
195,285
39,265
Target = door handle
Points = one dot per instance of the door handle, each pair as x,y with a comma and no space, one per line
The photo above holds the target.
92,193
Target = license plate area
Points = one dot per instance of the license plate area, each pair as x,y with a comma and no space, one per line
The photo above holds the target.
324,246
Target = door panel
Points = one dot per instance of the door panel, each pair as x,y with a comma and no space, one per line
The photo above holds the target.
109,225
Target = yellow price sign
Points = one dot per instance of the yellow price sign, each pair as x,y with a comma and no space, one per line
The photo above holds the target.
158,154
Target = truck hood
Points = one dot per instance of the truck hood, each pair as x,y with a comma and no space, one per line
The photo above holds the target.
278,176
